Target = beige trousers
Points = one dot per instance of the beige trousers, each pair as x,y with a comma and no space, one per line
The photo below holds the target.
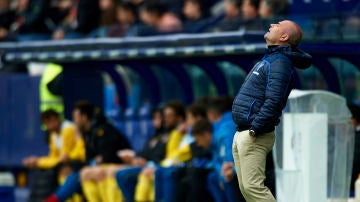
250,160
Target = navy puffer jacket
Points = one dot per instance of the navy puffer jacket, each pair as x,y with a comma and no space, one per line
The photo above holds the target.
260,100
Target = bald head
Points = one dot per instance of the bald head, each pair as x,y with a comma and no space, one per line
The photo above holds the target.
294,31
284,33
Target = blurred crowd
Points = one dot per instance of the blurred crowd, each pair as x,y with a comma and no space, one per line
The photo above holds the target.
188,157
23,20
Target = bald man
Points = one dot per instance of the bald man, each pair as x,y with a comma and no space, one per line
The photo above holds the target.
258,106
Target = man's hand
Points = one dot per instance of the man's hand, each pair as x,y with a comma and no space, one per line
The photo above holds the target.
227,171
126,155
148,171
98,159
138,161
31,162
182,128
3,32
59,34
64,158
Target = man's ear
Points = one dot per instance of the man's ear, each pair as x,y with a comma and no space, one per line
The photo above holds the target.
284,37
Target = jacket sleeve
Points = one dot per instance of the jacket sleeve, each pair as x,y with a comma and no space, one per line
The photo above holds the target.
78,152
280,75
68,138
180,155
173,143
52,159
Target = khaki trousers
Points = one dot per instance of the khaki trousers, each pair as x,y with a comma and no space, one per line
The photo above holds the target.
250,160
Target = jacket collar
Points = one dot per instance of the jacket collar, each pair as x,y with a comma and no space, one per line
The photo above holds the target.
277,48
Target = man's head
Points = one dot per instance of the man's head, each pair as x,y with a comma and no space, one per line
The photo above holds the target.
192,9
249,8
232,8
126,13
82,115
284,33
157,118
202,132
51,119
216,107
270,8
355,112
151,13
194,113
174,114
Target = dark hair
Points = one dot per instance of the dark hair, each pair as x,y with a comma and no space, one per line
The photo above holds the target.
85,108
220,104
278,7
153,8
355,111
199,2
128,6
201,126
178,108
48,113
255,3
197,110
156,110
237,3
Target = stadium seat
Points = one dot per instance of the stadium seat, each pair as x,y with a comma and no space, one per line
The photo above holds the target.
132,127
111,108
144,127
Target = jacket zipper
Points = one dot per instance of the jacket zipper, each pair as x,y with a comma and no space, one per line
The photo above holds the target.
250,109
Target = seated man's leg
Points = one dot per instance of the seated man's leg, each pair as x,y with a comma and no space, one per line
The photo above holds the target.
145,187
213,184
232,191
197,179
166,190
89,177
126,179
113,192
71,186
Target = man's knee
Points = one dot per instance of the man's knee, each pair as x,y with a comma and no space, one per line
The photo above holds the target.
85,173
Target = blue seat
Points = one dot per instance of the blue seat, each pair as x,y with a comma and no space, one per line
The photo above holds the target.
131,128
111,107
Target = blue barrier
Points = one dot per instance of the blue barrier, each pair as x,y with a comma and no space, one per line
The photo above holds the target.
19,119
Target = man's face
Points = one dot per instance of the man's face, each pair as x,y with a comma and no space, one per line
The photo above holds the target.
274,34
147,18
4,4
124,16
230,9
52,123
264,10
157,120
190,119
190,9
248,11
170,118
79,119
203,140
